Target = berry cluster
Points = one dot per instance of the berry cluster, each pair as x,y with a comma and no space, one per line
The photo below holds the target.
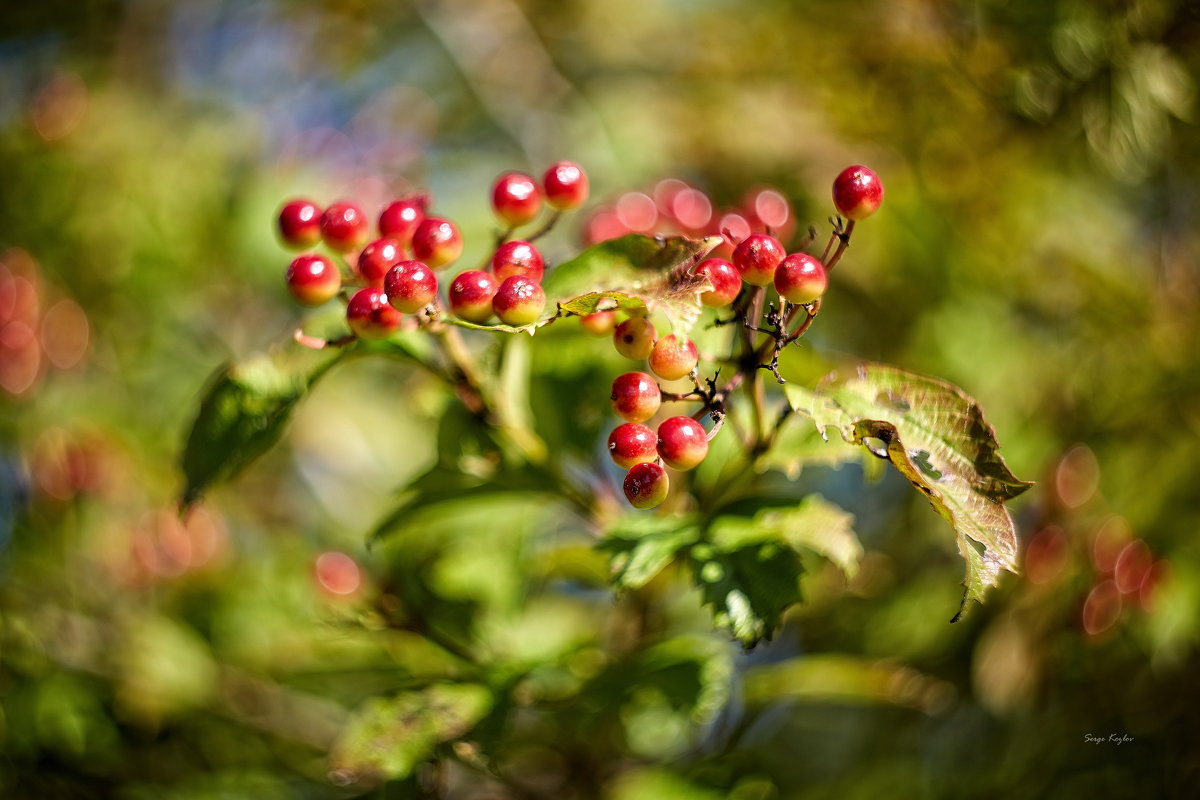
395,273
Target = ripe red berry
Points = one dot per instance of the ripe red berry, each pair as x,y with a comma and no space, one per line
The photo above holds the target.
377,258
725,280
437,242
370,316
519,301
672,358
682,442
566,186
518,258
635,337
471,295
800,278
515,198
344,227
399,220
646,485
635,396
313,279
300,224
410,286
857,192
601,323
757,257
632,443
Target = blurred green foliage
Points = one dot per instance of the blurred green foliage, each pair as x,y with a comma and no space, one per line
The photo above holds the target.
1038,247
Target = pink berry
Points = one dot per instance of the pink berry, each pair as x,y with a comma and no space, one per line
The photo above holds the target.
518,258
800,279
857,192
471,295
377,258
635,337
635,396
437,242
632,443
313,279
300,224
337,573
646,485
515,198
757,257
725,280
370,315
410,286
519,301
344,227
600,323
682,442
401,218
566,186
672,358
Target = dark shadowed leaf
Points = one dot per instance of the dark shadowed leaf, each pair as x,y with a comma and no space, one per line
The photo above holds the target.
748,584
640,546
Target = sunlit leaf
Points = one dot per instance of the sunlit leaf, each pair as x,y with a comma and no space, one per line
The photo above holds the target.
845,679
815,524
749,583
641,546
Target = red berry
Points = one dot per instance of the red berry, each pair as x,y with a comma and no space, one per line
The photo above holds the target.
377,258
635,337
672,358
1132,565
313,279
519,301
632,443
604,224
344,227
518,258
646,485
757,257
566,186
682,442
369,314
725,280
337,573
515,198
471,295
300,224
800,278
400,219
410,286
437,242
857,192
601,323
636,211
635,396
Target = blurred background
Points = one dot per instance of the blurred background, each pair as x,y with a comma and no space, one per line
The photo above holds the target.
1038,246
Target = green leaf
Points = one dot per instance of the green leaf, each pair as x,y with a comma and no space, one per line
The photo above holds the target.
640,546
592,302
243,413
749,580
845,679
936,436
815,524
389,738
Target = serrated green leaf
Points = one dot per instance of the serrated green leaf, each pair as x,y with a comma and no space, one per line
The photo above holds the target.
639,546
592,302
389,738
936,436
815,524
748,585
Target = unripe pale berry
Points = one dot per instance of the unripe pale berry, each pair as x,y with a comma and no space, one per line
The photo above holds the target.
673,358
682,442
800,278
370,315
313,279
635,396
410,286
566,186
857,192
437,242
725,280
519,301
377,258
515,198
471,294
757,257
344,227
635,337
300,224
646,485
518,258
401,218
600,323
632,443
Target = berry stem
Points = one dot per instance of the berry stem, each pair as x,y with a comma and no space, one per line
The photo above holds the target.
546,228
